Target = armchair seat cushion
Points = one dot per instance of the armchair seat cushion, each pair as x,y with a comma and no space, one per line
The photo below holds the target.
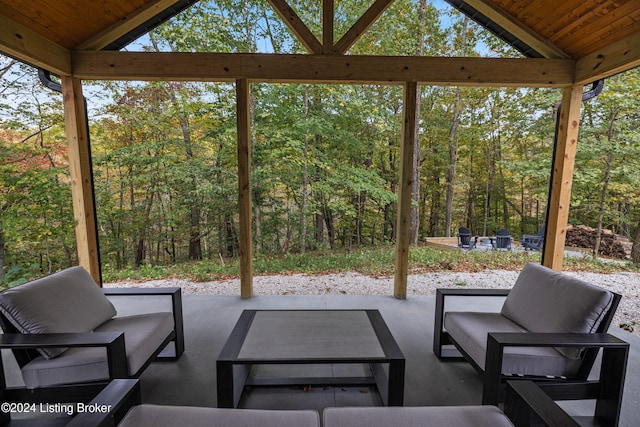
143,335
459,416
469,330
160,416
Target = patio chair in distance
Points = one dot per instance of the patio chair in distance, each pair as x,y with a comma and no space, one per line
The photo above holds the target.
533,242
502,240
465,240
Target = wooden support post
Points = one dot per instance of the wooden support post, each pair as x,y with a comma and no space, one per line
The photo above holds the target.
404,190
244,187
327,26
75,119
563,163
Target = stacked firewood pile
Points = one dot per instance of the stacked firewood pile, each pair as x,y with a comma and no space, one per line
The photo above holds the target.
611,245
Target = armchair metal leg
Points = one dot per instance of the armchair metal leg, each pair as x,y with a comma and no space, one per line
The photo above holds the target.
612,374
178,323
437,330
492,372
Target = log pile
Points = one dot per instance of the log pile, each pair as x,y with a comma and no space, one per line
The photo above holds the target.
611,245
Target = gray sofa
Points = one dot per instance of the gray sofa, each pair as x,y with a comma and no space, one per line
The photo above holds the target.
65,331
526,405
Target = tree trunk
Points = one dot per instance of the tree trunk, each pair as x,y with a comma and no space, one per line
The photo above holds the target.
487,192
328,219
453,161
359,204
415,184
434,215
605,184
453,140
635,249
305,180
319,229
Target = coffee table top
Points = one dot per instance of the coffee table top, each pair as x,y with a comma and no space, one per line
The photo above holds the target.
310,335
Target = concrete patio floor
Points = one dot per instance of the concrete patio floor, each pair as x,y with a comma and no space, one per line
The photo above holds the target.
208,321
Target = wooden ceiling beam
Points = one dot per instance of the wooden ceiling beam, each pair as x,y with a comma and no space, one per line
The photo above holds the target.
517,29
361,26
497,72
295,24
615,58
28,46
131,22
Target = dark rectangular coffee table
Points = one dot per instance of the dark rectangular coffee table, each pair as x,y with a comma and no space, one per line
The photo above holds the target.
310,337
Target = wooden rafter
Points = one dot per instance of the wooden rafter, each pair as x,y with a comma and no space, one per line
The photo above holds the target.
361,26
516,28
30,47
497,72
295,24
126,25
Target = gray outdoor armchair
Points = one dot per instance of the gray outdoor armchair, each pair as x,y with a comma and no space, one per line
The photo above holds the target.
533,242
69,342
465,240
550,329
502,240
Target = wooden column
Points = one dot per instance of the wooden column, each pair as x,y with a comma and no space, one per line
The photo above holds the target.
404,190
244,187
563,163
327,26
75,119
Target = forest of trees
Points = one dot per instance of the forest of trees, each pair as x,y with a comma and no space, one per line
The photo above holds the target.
325,157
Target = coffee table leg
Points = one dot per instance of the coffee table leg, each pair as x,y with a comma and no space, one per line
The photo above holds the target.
396,383
224,373
230,384
391,387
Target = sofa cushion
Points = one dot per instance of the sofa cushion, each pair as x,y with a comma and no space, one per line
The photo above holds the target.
170,416
143,334
66,301
470,331
544,300
459,416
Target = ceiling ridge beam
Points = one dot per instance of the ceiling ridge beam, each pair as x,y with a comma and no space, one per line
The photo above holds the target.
200,66
361,26
615,58
128,24
26,45
295,24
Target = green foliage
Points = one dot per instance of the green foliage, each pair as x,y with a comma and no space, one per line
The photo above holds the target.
373,261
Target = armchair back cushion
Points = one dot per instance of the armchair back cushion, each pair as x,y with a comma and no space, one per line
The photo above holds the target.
66,301
543,300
